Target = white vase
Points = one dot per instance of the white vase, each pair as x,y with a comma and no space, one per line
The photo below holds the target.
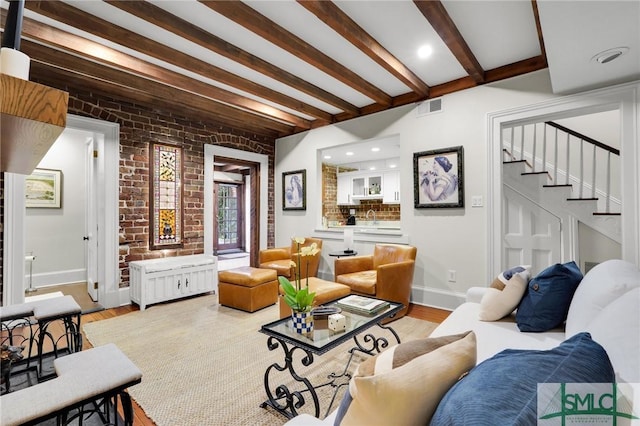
302,322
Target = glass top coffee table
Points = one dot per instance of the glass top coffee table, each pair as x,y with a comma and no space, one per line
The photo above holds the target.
319,341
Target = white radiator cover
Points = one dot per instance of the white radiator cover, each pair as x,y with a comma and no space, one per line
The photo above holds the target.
160,280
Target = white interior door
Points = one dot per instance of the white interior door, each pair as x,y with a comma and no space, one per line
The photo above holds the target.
91,232
532,235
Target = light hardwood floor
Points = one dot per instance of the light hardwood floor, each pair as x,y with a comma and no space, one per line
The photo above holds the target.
77,290
140,418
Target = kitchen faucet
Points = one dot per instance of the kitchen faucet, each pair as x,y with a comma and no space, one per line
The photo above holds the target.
374,216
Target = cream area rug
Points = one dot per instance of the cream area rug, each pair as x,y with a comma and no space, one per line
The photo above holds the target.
204,364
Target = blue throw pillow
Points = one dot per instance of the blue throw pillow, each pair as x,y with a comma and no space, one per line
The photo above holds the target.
546,301
502,390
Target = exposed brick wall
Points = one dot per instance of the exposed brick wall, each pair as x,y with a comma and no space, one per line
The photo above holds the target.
332,211
138,127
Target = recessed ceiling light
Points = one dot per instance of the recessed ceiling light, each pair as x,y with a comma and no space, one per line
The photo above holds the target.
375,149
392,166
349,153
372,168
424,51
609,55
327,157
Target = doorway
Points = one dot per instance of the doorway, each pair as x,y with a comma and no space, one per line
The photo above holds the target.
219,160
106,143
236,196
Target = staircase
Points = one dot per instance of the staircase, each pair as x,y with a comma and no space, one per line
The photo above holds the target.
566,173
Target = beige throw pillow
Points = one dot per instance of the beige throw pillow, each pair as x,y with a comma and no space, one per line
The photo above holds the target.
408,394
504,294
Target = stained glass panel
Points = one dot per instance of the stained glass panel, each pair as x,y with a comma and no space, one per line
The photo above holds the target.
166,196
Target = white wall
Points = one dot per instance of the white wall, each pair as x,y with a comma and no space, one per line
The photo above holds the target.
595,247
54,236
446,239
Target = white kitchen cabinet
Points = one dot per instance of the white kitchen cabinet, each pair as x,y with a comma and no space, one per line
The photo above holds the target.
344,189
159,280
391,187
367,186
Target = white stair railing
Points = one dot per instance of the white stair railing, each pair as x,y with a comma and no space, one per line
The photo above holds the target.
593,161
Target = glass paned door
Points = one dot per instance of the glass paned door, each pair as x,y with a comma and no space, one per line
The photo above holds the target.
229,214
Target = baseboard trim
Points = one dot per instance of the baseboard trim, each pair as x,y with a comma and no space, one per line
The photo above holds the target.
436,298
425,296
48,279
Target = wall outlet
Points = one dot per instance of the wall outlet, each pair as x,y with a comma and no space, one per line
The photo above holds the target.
451,276
476,201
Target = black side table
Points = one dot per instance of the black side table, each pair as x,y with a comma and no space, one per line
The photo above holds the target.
343,253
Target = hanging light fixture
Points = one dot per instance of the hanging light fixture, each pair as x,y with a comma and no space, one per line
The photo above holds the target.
12,61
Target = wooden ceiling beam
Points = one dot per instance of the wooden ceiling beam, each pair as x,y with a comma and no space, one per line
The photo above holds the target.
158,16
57,77
536,16
244,15
517,68
97,52
346,27
442,23
122,79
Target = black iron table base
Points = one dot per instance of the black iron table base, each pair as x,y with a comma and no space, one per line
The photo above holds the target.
26,331
288,402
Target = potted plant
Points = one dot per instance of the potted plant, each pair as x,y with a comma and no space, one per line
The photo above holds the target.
297,296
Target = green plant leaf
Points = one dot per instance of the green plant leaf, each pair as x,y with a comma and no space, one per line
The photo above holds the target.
299,300
287,287
291,301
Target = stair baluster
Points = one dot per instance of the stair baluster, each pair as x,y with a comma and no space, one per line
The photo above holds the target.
533,153
555,159
581,171
593,174
608,184
567,174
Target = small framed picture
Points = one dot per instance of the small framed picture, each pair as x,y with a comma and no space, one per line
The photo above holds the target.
43,189
438,178
294,190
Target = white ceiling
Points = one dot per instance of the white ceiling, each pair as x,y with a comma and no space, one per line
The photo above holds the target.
382,153
576,31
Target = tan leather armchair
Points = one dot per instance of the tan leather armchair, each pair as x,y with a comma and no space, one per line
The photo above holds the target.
280,258
386,274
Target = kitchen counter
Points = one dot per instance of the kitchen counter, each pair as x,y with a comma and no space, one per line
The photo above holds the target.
382,234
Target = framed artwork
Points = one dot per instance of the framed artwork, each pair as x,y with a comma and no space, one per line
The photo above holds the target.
43,189
438,178
294,190
166,228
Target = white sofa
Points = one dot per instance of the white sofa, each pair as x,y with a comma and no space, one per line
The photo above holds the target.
606,304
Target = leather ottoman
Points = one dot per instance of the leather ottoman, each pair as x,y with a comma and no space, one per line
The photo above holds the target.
247,288
326,291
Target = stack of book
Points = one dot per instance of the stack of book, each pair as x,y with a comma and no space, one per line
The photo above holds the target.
362,305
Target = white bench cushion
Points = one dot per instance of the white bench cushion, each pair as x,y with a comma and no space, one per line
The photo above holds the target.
81,376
